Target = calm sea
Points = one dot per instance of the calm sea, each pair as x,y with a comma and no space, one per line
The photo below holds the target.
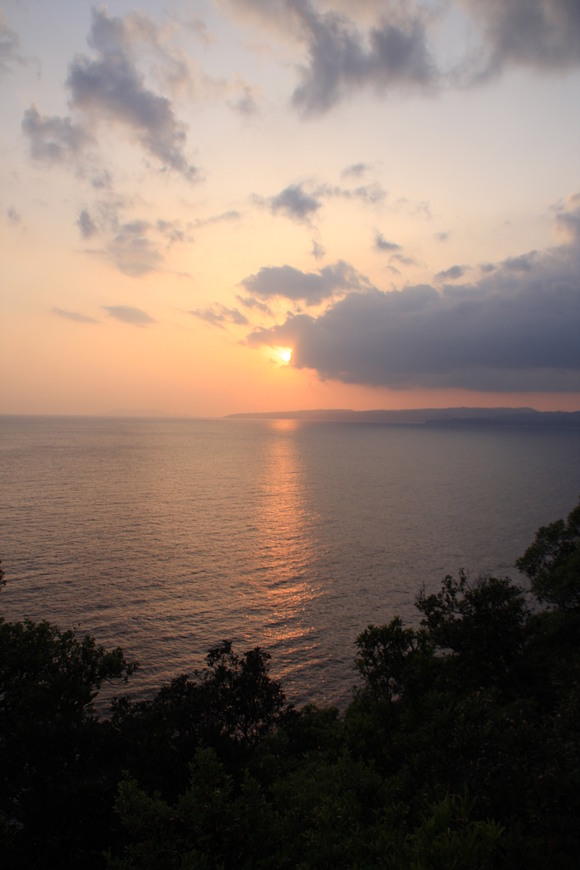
166,536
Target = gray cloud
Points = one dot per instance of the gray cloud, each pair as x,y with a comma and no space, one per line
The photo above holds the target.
128,314
369,193
382,244
132,251
135,247
298,203
73,315
356,170
341,59
225,216
318,250
86,225
544,34
294,202
255,304
52,139
219,315
13,216
9,45
246,104
309,287
516,329
110,86
451,274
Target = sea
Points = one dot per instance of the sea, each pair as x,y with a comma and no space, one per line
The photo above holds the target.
167,536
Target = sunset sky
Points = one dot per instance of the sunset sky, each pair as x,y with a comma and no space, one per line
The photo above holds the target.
215,206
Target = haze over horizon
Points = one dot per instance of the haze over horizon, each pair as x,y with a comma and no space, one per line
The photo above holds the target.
238,206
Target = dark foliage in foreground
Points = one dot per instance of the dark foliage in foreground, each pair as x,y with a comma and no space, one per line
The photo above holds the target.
460,748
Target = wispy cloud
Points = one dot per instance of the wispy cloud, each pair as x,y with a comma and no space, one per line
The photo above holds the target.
220,315
128,314
75,316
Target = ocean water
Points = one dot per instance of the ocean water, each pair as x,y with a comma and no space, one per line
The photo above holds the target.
167,536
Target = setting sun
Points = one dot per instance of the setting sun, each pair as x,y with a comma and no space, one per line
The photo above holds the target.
284,354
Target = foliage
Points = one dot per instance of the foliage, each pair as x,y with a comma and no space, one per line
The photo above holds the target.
51,772
552,562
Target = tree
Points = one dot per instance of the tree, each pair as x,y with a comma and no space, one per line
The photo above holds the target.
54,776
552,562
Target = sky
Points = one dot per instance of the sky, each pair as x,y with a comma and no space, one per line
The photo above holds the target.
217,206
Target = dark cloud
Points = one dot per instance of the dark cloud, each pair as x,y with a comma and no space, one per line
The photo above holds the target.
341,59
295,203
516,329
127,314
219,315
110,86
309,287
544,34
54,140
73,315
523,263
382,244
442,237
451,274
86,225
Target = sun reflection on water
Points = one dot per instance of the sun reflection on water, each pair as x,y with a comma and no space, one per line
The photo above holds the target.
280,580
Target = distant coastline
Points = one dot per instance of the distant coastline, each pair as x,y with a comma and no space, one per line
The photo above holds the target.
426,417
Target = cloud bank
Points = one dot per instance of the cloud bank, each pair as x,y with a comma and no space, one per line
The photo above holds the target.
516,329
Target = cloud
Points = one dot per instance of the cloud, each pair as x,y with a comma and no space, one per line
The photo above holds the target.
381,244
318,250
132,251
245,103
299,203
13,216
356,170
451,274
341,59
568,221
225,216
218,315
295,203
86,225
135,247
255,304
52,139
516,329
127,314
543,34
110,87
73,315
309,287
9,45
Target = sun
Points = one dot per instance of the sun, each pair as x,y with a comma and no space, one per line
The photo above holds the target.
284,354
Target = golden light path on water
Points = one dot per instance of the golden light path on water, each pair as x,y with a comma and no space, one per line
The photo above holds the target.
284,517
